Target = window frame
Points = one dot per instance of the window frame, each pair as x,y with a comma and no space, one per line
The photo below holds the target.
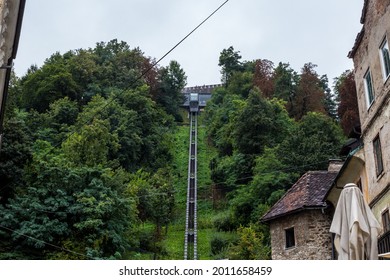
385,220
378,155
289,238
369,88
385,59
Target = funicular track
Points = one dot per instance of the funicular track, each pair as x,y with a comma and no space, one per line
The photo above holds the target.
190,242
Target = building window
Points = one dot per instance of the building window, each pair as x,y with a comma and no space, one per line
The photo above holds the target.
385,58
290,238
386,221
369,88
378,155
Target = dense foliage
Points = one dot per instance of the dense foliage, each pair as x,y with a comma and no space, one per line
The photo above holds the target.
269,125
86,155
90,162
348,109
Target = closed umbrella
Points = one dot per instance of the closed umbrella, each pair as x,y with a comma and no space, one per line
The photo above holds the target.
355,226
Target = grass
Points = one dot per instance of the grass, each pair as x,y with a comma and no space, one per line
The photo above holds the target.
174,241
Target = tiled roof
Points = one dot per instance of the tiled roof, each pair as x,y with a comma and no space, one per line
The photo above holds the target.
308,192
360,35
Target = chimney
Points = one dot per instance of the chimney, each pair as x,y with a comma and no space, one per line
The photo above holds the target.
335,165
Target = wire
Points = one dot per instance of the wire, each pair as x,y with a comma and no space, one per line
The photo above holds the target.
189,34
46,243
64,249
150,67
132,199
288,169
220,183
214,184
143,74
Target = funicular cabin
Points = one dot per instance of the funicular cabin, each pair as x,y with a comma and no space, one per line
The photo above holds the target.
194,102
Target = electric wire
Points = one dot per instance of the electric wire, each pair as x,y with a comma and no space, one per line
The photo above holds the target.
214,184
109,102
150,67
46,243
154,194
138,78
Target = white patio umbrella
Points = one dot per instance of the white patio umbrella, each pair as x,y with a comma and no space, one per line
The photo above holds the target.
355,226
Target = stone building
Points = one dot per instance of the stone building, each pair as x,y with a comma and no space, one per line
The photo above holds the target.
302,232
300,221
11,15
371,58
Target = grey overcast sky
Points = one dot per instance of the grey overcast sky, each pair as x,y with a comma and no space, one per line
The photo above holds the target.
294,32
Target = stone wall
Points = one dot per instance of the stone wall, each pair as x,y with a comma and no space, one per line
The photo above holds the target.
5,52
375,118
312,236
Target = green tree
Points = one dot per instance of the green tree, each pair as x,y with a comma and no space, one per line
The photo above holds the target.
92,145
229,60
16,151
285,84
82,65
106,214
76,127
119,66
63,112
261,123
229,172
330,99
241,83
271,177
270,181
154,125
55,124
47,84
155,195
62,206
36,216
173,80
221,111
249,246
315,140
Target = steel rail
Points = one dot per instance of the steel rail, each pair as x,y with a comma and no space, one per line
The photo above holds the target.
190,240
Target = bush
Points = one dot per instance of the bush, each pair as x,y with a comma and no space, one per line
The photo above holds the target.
225,222
220,243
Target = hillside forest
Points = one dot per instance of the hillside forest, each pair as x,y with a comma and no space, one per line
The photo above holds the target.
91,165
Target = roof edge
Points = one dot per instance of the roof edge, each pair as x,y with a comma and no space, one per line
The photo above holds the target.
305,207
364,12
358,40
359,36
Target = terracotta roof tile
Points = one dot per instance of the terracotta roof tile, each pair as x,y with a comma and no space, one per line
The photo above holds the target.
308,192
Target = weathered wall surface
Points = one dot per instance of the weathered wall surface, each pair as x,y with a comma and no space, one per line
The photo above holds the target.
312,236
375,118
